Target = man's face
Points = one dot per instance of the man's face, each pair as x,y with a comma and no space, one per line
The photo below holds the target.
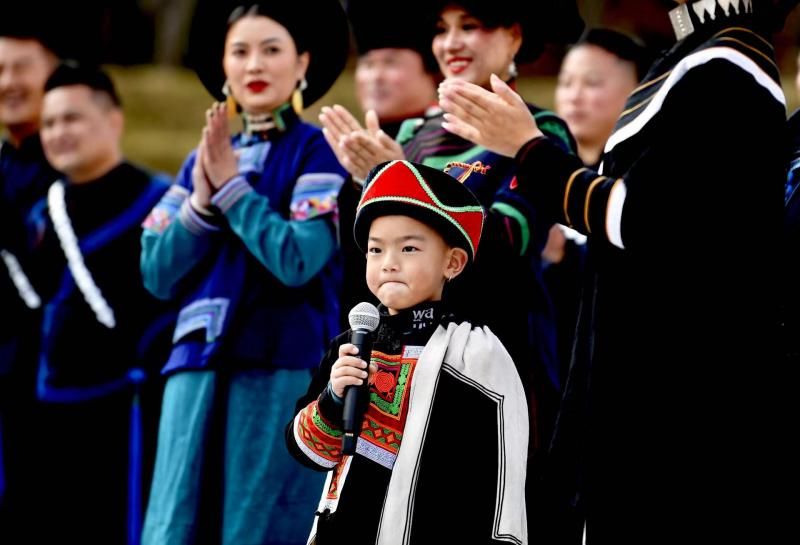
24,68
80,130
394,83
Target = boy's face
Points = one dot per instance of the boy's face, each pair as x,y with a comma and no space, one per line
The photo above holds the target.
407,262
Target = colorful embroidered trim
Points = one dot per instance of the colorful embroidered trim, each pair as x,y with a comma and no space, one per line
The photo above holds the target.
315,195
321,447
230,193
167,208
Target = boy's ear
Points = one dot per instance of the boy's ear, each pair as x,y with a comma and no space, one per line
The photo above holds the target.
456,262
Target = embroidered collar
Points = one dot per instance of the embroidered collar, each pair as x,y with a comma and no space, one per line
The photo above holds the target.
687,17
269,125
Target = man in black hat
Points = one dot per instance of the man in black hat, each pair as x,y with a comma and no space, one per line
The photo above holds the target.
26,60
396,72
396,77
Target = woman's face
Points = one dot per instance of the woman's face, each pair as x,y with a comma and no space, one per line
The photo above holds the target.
261,64
467,50
593,86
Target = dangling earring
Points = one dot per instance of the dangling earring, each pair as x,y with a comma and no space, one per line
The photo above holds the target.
297,96
230,102
512,70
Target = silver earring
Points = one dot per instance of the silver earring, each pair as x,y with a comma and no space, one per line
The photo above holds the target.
512,70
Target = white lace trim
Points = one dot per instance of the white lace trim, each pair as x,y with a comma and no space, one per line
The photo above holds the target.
69,244
20,280
18,277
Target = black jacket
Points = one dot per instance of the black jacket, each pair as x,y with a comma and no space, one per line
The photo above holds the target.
674,373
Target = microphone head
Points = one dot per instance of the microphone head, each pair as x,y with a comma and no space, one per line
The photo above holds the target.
364,316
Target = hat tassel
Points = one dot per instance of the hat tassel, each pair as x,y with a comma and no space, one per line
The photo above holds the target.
297,96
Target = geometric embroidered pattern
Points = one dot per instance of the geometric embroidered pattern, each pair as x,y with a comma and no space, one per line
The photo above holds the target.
382,427
389,383
317,437
383,424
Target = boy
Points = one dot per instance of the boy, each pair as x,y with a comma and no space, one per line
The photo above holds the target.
446,390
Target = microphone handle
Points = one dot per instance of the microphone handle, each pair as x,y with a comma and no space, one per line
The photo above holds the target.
356,398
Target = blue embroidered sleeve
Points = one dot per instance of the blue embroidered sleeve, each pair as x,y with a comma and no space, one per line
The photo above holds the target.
170,248
293,250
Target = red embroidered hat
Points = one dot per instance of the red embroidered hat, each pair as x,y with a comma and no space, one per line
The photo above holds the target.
425,194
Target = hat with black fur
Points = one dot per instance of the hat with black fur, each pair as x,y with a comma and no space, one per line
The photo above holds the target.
428,195
542,21
374,28
317,26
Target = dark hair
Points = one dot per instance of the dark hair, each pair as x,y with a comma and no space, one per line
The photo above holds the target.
287,17
71,73
623,46
318,27
497,14
542,21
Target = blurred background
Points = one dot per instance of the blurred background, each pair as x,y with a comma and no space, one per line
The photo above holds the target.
143,44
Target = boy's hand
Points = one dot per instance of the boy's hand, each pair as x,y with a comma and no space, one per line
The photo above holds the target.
349,370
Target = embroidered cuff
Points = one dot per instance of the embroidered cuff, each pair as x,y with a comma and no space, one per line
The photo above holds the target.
193,221
200,209
316,195
230,193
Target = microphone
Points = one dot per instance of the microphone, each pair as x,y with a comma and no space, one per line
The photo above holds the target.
364,319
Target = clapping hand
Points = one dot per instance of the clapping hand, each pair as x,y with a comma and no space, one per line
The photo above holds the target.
358,149
499,120
201,186
219,161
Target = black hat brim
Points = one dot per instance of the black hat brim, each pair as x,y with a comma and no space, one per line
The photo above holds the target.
67,32
324,29
375,27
